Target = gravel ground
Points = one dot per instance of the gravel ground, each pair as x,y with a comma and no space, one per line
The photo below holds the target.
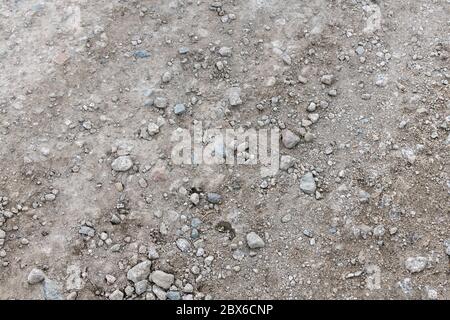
93,205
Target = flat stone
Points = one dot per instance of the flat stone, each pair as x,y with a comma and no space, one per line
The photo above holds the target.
141,54
159,293
87,231
50,197
162,279
139,272
183,50
225,51
141,287
122,164
52,290
307,183
196,222
173,295
74,280
214,198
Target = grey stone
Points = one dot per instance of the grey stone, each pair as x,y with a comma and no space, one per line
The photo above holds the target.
416,264
196,222
52,290
139,272
159,293
115,248
307,183
153,253
302,79
360,50
195,234
381,80
314,117
214,198
286,218
115,219
379,231
188,288
150,296
447,246
363,196
179,109
286,162
289,139
162,279
110,279
35,276
74,280
405,286
183,245
166,77
409,155
141,54
286,59
116,295
432,294
173,295
225,51
141,287
234,96
50,197
332,93
87,231
309,137
122,164
129,290
149,102
183,50
327,79
160,102
152,129
311,107
254,241
195,198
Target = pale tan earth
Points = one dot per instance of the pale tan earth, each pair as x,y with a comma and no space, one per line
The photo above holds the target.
74,96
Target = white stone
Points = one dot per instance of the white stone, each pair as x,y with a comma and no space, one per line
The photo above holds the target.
254,241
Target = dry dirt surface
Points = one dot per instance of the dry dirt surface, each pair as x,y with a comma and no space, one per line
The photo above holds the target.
93,207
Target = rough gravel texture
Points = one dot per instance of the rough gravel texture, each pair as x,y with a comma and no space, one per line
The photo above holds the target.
91,92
